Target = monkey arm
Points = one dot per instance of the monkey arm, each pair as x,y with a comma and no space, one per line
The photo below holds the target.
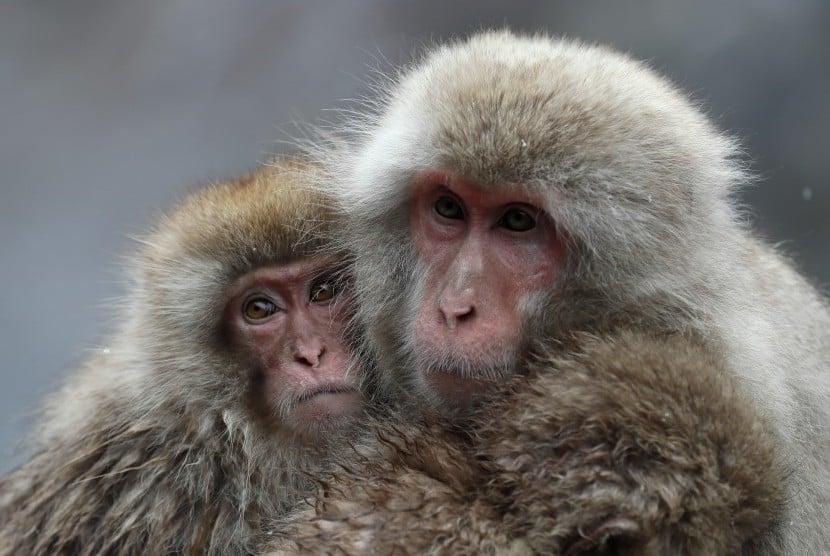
628,445
633,445
413,492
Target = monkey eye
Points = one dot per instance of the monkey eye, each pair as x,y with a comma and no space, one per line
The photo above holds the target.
517,220
448,208
325,290
259,308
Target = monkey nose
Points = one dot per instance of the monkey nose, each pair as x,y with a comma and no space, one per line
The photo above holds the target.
309,354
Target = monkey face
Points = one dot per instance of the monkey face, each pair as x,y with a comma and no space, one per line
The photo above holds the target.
511,188
289,321
486,253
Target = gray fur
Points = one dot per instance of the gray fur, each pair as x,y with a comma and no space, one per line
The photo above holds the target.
642,183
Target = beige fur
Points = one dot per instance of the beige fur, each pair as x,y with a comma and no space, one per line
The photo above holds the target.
153,446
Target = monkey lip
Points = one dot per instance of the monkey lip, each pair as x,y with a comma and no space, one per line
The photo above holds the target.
326,389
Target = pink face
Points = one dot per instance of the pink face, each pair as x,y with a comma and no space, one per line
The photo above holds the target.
486,252
290,319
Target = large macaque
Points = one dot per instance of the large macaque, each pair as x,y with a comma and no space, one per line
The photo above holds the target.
226,381
511,189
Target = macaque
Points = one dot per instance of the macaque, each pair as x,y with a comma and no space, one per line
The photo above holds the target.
227,381
649,430
512,189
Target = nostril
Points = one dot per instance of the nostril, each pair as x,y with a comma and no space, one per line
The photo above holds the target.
310,356
457,315
466,315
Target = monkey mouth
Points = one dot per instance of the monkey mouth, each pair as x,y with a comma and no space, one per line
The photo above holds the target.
328,404
325,389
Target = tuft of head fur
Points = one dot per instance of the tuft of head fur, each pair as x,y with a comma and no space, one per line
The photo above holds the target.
627,443
153,446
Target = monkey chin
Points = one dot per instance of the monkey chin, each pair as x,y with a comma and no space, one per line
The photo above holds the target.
457,391
326,410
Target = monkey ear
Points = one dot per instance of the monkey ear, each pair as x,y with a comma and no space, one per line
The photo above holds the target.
613,536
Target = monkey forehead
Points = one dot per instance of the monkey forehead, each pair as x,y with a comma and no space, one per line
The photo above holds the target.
503,109
271,215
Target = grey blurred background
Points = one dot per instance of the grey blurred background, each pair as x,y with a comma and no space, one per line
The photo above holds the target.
111,110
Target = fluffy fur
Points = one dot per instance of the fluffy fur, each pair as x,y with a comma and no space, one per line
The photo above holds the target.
154,445
649,439
641,184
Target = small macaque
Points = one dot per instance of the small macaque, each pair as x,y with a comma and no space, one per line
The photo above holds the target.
228,379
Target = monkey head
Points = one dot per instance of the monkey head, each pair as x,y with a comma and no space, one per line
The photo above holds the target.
248,308
510,187
227,384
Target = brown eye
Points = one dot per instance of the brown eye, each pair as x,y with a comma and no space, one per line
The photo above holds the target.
259,308
448,208
323,291
517,220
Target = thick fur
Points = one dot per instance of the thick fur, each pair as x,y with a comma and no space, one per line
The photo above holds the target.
154,445
640,183
647,439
